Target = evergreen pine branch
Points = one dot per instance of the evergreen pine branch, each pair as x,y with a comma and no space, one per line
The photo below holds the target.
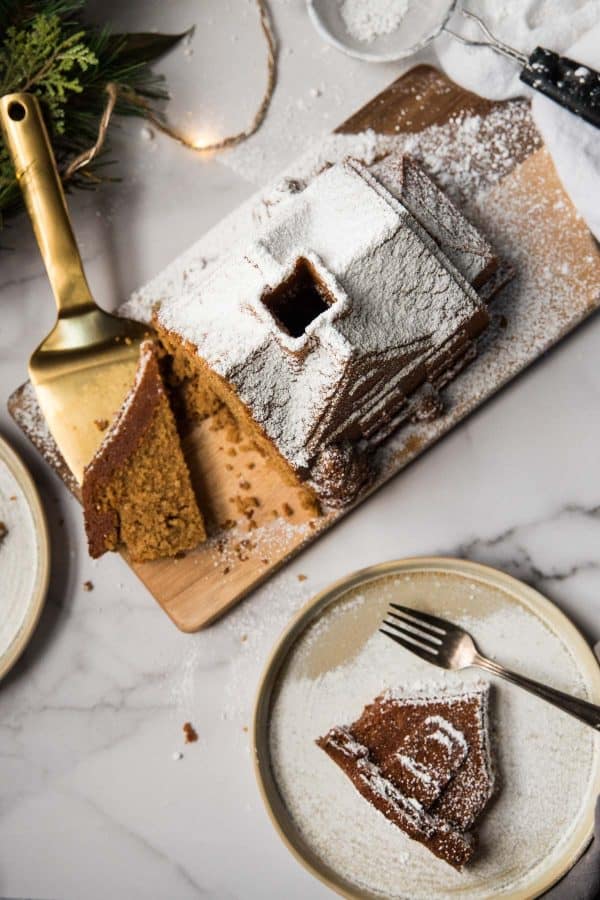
47,49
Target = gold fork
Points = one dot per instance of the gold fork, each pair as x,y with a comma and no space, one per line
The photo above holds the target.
83,370
440,642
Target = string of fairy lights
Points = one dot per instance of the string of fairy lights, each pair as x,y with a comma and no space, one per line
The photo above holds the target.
201,145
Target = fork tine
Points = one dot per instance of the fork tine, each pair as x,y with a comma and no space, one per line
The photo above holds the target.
420,629
424,618
418,649
409,636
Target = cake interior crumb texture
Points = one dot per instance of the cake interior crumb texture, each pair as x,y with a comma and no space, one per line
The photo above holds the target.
424,763
137,490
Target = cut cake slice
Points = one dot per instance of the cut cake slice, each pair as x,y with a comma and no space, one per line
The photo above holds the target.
425,763
137,490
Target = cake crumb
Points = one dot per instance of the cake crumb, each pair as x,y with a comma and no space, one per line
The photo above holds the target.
246,505
302,577
228,524
244,638
287,509
190,734
88,586
245,729
101,424
3,531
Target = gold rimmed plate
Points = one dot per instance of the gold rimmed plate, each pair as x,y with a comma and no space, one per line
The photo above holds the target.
24,557
332,660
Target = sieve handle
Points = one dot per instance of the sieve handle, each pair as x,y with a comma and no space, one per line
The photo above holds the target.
570,84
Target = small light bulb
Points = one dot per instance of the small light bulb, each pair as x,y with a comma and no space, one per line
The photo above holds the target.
203,140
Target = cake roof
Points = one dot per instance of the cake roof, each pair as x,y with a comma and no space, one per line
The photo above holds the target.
389,295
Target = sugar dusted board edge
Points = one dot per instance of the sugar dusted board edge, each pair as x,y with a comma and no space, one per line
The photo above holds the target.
196,590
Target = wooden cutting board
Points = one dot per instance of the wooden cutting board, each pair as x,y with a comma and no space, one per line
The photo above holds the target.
257,522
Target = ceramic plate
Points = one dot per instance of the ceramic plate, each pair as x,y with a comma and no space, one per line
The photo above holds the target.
24,557
332,661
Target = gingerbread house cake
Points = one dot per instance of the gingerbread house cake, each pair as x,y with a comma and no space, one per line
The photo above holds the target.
343,318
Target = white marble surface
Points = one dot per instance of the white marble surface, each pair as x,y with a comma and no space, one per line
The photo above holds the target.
92,803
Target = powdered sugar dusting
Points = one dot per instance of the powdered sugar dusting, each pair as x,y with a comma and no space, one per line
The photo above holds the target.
309,390
414,767
467,156
370,19
468,153
524,829
446,734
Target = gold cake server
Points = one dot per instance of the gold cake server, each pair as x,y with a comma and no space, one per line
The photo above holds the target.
84,368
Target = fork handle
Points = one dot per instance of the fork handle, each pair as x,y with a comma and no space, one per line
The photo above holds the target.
580,709
29,147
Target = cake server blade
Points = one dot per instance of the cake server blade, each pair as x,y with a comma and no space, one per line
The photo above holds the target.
85,367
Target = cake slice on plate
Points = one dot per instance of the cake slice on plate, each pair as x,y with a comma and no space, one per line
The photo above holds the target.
137,491
425,763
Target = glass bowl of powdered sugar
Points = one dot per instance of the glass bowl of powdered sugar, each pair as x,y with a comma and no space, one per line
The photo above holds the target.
380,30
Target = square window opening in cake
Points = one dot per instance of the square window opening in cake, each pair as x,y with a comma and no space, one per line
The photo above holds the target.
299,299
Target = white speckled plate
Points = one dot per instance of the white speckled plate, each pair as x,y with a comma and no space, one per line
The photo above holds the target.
24,557
332,660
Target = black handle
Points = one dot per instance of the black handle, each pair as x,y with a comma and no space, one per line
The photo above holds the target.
570,84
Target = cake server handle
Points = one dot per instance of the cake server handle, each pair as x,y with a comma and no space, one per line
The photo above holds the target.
580,709
29,147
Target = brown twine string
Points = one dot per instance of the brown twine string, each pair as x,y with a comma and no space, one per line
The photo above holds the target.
87,156
113,91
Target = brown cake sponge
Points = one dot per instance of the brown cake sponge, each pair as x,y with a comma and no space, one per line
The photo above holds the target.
137,491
